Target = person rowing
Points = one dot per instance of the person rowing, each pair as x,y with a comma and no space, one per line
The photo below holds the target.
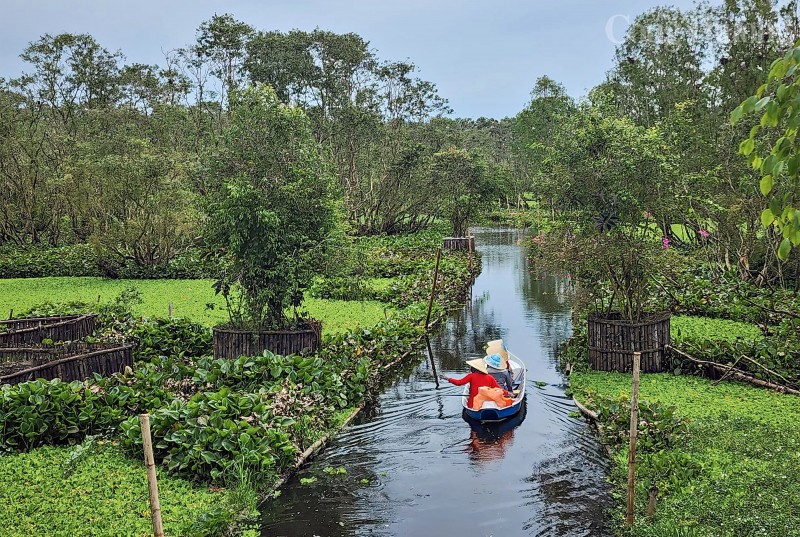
482,385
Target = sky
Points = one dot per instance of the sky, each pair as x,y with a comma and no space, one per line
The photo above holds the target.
484,56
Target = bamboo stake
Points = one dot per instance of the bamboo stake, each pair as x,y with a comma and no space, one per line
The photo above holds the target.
637,357
170,310
149,461
433,288
433,364
469,249
651,504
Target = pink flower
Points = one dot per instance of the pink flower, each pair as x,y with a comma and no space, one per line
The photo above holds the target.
703,233
647,214
664,242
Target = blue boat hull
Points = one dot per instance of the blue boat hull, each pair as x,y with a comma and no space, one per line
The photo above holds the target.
494,414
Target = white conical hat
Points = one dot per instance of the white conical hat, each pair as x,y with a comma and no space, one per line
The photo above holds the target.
498,347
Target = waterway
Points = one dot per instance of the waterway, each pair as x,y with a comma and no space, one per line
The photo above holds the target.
412,466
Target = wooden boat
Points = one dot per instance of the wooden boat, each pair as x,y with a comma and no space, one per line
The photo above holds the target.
489,411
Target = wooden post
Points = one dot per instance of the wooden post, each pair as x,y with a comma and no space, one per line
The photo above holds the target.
433,288
637,357
651,504
170,310
150,463
433,364
11,314
469,250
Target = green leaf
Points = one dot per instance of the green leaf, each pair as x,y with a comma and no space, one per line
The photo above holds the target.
767,217
766,185
749,104
784,249
747,146
737,114
775,206
762,103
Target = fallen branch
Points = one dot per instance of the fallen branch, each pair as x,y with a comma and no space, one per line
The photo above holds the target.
737,374
771,372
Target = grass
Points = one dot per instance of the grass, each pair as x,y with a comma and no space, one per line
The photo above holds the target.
104,494
736,473
188,299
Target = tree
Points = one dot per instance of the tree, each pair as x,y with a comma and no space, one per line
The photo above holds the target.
460,176
273,210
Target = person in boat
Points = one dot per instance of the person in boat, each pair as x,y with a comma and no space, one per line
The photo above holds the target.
500,374
478,378
498,347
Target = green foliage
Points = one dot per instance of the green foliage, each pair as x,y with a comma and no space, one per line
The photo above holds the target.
82,260
730,476
175,338
778,160
272,211
658,429
103,494
685,328
212,431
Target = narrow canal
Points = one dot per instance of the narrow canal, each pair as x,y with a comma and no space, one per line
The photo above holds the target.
415,467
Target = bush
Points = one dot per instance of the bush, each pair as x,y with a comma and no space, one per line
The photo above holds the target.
175,338
83,260
207,435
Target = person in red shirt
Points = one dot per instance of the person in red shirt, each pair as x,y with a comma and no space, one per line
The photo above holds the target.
477,377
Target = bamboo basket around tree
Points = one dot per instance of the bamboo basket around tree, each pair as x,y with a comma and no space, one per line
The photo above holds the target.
612,341
230,343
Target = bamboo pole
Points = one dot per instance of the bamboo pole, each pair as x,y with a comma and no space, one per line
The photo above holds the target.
149,461
469,250
170,310
651,504
433,364
637,357
433,288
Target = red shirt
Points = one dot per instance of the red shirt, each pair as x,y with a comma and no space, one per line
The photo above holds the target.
476,380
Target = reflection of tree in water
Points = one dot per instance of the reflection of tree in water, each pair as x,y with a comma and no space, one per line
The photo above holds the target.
545,292
465,335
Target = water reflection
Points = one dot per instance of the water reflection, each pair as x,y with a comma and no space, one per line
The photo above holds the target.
414,467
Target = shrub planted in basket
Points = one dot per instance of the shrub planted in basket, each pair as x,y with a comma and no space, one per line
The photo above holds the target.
614,229
271,211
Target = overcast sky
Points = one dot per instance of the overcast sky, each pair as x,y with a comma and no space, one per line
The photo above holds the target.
484,56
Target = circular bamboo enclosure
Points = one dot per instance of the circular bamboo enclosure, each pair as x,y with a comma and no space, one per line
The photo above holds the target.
75,361
459,243
34,330
613,340
230,343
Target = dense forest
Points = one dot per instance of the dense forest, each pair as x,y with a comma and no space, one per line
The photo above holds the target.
121,156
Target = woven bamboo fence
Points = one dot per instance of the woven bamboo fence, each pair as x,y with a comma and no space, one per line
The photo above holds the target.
74,361
459,243
16,332
229,343
613,340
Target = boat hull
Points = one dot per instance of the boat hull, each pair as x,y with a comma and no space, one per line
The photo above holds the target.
494,414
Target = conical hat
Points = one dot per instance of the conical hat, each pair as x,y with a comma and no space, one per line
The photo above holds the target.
498,347
478,364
